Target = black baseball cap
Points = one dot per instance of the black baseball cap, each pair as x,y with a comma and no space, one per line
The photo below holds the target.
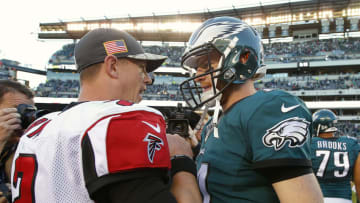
99,43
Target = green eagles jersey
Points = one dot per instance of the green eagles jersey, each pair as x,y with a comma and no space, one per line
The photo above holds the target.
333,162
267,129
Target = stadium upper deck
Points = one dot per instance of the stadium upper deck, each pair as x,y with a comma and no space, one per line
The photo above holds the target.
306,25
278,19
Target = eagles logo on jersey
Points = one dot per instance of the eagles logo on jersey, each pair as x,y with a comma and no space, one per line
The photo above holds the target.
292,131
154,144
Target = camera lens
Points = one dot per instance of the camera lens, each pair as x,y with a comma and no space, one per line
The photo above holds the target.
26,112
29,114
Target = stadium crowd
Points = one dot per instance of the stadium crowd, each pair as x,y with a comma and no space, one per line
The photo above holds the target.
326,49
63,56
348,128
167,87
5,72
173,53
311,83
278,52
58,88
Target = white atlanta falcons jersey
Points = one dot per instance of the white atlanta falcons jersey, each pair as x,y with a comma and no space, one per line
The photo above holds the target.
67,156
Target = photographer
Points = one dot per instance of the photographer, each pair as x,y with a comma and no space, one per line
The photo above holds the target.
11,95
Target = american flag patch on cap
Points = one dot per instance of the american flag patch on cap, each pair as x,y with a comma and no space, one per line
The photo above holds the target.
115,46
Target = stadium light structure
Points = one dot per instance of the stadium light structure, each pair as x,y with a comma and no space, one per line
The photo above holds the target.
303,64
183,26
189,26
255,21
289,18
177,26
123,26
351,12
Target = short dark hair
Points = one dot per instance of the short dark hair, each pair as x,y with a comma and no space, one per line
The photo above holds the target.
90,73
7,86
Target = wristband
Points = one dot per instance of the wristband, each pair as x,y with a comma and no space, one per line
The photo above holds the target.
182,163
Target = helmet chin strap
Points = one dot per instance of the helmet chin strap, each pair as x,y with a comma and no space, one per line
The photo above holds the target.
216,117
216,102
215,121
200,123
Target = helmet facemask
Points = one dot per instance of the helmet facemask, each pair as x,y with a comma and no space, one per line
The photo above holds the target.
206,58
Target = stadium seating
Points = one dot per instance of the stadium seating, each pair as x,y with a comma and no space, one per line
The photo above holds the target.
173,53
311,83
349,129
58,88
279,52
318,50
166,87
4,73
63,56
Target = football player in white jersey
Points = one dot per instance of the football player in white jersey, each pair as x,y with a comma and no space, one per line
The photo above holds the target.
106,147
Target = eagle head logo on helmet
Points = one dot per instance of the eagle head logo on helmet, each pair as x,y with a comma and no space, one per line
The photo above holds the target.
229,37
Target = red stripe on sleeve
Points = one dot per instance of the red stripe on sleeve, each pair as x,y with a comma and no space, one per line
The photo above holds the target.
137,139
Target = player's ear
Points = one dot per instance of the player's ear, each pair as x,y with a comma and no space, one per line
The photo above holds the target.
111,67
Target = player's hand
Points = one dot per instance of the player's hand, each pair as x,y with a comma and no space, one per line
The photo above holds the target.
178,145
198,133
192,138
9,122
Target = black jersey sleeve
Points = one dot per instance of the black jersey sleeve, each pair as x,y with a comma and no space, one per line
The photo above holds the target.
277,174
134,187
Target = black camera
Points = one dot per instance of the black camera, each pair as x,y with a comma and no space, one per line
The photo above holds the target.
179,119
29,114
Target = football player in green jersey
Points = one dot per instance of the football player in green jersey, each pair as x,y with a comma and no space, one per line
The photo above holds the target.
258,149
335,159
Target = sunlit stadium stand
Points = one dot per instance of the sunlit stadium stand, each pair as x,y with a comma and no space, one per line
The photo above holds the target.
61,83
166,87
312,50
333,85
278,52
4,72
63,56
